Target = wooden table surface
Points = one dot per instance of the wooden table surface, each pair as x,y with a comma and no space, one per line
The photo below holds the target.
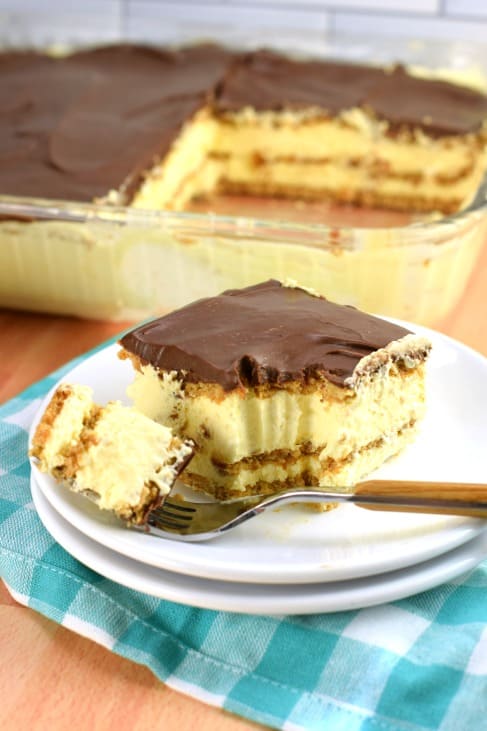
50,678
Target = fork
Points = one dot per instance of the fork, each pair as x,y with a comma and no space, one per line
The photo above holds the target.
185,520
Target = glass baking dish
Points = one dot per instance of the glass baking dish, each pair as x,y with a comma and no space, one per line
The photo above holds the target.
106,262
117,263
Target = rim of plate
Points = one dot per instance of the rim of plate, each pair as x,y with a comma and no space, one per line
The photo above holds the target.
259,598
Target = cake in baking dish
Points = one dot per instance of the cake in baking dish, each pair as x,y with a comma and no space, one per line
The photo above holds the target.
356,134
124,461
277,386
154,128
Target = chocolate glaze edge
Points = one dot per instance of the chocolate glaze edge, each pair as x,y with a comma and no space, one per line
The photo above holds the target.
265,334
269,81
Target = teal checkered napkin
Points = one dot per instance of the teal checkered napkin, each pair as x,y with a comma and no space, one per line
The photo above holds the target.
415,664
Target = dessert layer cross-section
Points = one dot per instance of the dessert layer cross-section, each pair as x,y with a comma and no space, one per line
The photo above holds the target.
154,128
277,386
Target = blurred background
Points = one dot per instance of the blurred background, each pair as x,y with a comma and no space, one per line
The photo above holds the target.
239,242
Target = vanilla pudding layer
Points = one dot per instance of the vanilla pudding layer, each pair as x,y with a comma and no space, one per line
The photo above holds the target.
344,183
119,468
255,440
275,473
352,135
176,179
120,272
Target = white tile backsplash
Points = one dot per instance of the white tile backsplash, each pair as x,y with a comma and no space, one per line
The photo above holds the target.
264,21
409,26
27,22
172,21
467,8
392,6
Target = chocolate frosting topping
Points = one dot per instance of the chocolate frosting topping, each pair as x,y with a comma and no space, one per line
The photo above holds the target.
264,334
74,128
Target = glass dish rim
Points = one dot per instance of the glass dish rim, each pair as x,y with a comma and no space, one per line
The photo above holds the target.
29,210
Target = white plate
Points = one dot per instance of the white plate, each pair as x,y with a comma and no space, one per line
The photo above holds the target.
294,544
259,598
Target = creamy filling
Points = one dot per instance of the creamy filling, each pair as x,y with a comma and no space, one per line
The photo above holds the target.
162,184
306,470
127,452
66,427
308,155
130,272
352,137
235,426
350,183
113,454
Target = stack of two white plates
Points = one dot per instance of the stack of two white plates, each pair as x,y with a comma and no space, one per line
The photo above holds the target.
295,560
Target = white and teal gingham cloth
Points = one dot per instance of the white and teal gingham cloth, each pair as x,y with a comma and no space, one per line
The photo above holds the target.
411,665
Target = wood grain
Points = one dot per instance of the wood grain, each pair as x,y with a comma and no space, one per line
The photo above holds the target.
51,678
458,498
33,345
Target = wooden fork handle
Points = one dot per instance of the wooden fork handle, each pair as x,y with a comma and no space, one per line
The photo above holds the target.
449,498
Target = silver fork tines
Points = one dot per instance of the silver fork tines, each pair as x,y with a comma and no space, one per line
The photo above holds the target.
172,515
201,520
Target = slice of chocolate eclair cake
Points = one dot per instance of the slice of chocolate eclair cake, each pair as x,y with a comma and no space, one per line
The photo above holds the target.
278,387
